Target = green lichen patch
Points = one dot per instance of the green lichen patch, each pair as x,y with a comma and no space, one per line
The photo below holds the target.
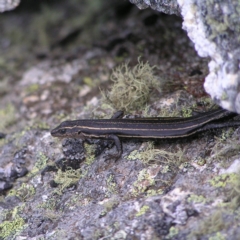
226,147
173,232
67,179
212,224
90,153
49,204
159,160
224,179
150,154
24,192
9,228
11,222
41,162
32,88
132,87
217,236
142,211
218,220
109,205
111,185
7,115
143,182
196,199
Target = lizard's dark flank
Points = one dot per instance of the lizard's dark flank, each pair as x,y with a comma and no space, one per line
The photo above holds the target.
147,128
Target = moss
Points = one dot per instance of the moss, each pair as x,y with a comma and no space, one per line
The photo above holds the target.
132,87
142,211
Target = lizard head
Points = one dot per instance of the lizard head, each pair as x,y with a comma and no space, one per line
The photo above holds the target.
66,129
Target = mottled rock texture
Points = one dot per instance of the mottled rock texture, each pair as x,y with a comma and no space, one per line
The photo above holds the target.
166,6
7,5
214,28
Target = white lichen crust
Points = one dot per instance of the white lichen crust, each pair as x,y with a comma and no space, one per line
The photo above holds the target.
7,5
166,6
214,28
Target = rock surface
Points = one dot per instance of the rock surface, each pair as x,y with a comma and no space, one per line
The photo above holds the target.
55,58
7,5
213,26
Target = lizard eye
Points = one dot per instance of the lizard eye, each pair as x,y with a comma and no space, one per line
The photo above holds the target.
79,132
63,131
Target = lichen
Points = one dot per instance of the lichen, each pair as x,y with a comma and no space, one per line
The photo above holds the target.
150,154
142,211
12,223
41,162
90,153
196,199
173,231
110,204
132,87
24,192
111,185
212,224
8,228
67,178
223,179
7,116
217,236
32,88
227,146
143,182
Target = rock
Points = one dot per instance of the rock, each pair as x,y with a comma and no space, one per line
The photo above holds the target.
213,27
166,6
7,5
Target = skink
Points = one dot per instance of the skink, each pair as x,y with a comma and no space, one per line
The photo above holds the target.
148,128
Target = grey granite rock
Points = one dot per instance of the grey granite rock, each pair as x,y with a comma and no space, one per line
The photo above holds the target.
7,5
214,28
166,6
